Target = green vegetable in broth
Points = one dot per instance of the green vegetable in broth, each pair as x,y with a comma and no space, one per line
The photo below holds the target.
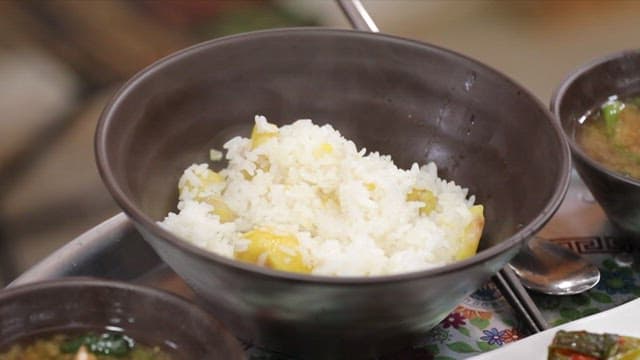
106,344
611,114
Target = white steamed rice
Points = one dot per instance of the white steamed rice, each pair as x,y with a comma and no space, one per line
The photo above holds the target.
347,208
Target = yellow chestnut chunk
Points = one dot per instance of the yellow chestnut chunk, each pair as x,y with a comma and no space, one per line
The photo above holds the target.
322,149
262,163
260,136
370,186
246,175
472,233
221,209
275,251
207,178
425,196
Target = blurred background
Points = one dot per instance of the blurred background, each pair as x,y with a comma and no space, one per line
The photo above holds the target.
60,61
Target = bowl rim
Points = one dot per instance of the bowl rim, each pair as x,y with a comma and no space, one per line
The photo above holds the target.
91,282
145,222
85,282
559,94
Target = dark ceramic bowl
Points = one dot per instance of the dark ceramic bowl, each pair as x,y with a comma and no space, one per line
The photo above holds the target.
585,89
153,317
416,102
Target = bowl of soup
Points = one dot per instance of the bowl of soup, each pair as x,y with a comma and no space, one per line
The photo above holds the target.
358,138
598,107
91,319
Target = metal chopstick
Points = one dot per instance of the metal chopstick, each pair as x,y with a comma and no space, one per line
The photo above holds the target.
518,297
358,15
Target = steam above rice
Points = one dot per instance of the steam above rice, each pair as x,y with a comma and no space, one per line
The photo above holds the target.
303,198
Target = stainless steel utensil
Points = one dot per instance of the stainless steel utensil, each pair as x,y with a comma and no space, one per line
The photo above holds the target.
553,269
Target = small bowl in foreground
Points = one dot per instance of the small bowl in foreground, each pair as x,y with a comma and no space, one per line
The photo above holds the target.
153,317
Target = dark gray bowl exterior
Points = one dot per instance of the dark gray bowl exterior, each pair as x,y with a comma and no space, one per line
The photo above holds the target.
585,89
154,317
417,102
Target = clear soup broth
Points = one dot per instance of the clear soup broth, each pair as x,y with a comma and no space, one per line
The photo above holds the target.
610,135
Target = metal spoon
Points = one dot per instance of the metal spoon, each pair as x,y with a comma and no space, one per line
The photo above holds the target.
553,269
